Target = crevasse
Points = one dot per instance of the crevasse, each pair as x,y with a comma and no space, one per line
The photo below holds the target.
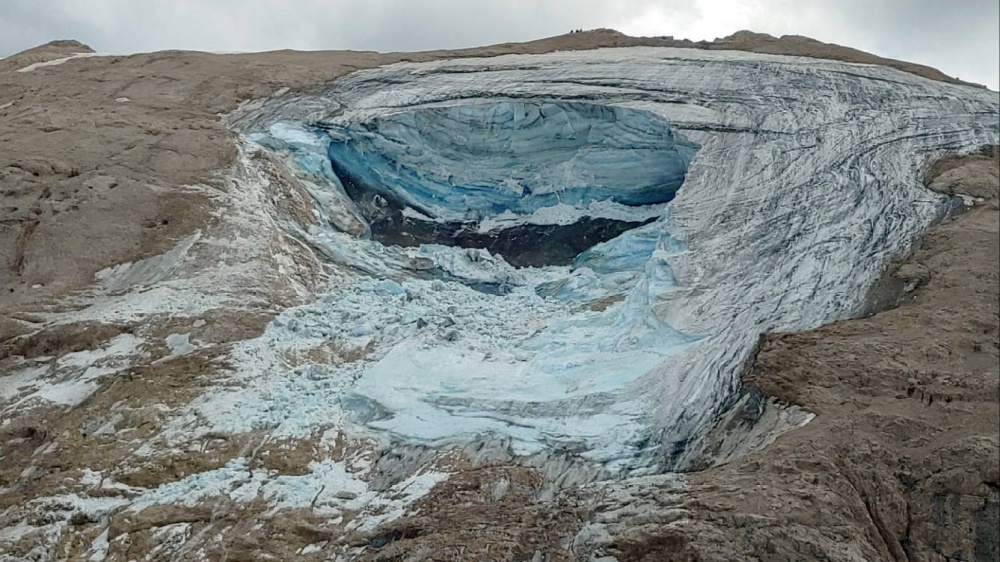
671,205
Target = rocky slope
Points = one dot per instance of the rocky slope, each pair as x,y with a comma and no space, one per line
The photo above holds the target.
155,267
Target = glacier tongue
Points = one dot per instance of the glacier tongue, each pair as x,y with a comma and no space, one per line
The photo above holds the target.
801,178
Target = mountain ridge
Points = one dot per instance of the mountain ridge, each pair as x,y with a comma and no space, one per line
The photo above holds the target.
743,40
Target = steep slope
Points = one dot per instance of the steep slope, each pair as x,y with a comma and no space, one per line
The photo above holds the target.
213,349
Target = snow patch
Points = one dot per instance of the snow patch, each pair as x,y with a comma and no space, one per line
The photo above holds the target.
330,487
56,62
71,378
99,547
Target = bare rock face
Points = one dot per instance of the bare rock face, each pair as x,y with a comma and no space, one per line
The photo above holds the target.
807,47
64,46
154,258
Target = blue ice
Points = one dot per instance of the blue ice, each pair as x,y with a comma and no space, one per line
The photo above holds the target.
483,159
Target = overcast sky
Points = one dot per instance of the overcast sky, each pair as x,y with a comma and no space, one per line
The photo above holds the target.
960,37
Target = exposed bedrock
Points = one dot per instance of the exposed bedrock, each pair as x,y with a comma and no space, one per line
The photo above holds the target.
524,245
675,205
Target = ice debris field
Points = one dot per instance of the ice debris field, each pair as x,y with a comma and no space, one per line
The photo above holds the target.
575,253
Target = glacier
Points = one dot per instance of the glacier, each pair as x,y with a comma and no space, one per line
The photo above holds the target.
536,182
575,253
483,159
